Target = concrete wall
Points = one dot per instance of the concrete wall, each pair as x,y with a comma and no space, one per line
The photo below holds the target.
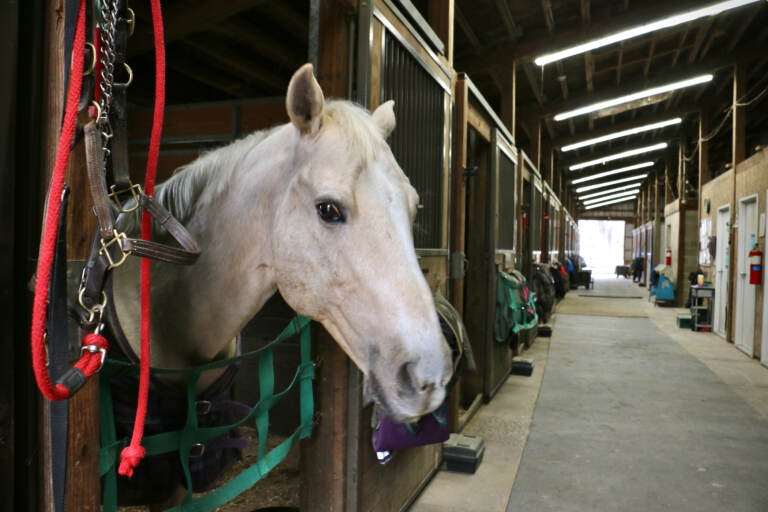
752,178
719,192
672,236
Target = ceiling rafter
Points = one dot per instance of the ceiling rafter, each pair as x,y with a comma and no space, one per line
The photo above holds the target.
701,34
744,54
538,43
513,31
187,18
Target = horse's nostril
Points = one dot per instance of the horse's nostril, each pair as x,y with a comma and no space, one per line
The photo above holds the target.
409,380
406,379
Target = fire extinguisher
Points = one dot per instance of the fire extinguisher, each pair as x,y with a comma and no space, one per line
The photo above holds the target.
755,266
668,257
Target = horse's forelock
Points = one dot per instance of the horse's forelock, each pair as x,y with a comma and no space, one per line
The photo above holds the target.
362,135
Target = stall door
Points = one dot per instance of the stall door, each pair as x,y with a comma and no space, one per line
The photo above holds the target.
721,270
745,292
764,344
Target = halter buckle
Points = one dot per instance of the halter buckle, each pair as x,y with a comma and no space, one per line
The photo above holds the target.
134,189
117,239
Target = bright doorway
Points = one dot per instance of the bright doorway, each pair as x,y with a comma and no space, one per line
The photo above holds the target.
602,245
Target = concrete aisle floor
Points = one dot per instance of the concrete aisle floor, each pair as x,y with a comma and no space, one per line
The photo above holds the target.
633,414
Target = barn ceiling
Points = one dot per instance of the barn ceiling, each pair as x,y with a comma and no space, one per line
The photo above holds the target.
490,35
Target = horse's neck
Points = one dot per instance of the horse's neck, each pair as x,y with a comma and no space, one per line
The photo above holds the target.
198,310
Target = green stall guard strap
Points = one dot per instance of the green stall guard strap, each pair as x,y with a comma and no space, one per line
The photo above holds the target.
183,440
512,311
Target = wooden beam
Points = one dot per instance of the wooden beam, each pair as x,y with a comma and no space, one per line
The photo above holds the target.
739,27
667,182
513,31
186,18
324,457
544,42
461,97
683,37
509,100
273,49
585,12
619,64
648,61
440,16
223,56
681,171
467,29
739,150
701,34
589,70
549,18
704,172
532,81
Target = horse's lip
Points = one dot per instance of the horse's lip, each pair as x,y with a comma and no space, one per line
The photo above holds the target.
378,395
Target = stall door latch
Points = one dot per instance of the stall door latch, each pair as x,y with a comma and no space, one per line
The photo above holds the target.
459,263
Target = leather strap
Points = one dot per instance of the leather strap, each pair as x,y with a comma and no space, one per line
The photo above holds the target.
94,157
121,174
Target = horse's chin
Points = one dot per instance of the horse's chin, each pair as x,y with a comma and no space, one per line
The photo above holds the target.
396,408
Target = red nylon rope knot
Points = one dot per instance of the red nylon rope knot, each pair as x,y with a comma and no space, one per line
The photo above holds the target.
130,457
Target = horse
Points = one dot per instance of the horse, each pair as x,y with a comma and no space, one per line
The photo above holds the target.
319,210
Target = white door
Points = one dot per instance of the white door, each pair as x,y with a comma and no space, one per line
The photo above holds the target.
764,345
745,292
721,270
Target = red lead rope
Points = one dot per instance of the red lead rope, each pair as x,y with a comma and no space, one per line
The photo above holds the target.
132,454
92,359
50,228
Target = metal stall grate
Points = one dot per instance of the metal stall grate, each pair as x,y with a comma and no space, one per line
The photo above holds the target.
506,202
418,141
535,218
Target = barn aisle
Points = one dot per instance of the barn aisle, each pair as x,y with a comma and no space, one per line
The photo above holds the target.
628,418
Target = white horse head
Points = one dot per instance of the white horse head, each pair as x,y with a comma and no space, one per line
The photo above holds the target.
343,249
320,210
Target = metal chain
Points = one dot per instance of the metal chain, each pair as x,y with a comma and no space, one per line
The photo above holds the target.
107,31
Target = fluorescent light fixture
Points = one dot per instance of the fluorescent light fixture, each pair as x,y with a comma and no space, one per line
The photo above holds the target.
653,91
671,21
611,191
618,156
612,196
623,133
609,183
611,173
612,201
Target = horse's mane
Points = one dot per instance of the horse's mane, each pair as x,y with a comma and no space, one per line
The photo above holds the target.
182,191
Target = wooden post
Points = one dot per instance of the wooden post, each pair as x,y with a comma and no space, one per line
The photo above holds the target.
461,97
704,172
739,116
83,480
324,457
681,171
667,185
440,18
535,154
509,98
739,151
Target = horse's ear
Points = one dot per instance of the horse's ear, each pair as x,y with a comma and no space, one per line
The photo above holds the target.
304,100
384,117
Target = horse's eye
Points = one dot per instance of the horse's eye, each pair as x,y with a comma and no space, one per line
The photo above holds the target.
330,212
